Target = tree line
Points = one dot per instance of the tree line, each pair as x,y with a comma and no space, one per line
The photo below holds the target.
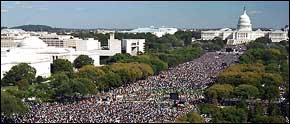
152,42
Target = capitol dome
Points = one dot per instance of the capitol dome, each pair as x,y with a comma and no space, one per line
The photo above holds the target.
33,43
244,23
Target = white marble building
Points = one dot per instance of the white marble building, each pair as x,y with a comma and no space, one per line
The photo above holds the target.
53,39
159,32
27,52
244,33
133,46
38,54
11,37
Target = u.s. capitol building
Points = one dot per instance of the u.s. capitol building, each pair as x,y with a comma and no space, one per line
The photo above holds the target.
244,32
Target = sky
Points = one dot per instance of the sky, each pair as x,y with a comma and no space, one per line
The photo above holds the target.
134,14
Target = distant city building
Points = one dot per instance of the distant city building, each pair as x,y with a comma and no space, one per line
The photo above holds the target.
56,40
104,31
159,32
89,44
244,33
13,34
11,37
133,46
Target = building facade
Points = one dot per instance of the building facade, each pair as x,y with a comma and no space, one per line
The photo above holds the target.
11,37
39,55
159,32
133,46
244,32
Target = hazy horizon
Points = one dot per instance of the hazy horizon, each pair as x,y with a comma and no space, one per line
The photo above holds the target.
134,14
141,27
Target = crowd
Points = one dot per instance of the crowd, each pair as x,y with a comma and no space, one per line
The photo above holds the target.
143,101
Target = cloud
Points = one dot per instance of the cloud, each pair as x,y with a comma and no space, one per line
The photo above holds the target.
4,10
43,8
26,7
80,9
9,7
18,2
254,12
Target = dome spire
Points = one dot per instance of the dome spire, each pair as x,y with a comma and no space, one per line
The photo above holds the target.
245,10
244,22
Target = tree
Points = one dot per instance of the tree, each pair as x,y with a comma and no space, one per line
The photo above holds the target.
90,72
271,83
146,69
16,92
274,110
180,55
17,73
74,87
106,68
272,79
22,84
219,41
90,87
191,117
82,86
272,55
285,71
152,42
209,109
61,65
219,91
10,104
64,90
272,68
246,91
255,112
127,71
269,119
157,64
109,80
212,45
43,91
58,78
265,55
3,27
275,119
186,36
231,115
171,40
242,74
195,118
39,79
119,57
103,38
263,40
82,60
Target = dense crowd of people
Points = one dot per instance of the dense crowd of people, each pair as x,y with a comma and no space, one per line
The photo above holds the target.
143,101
